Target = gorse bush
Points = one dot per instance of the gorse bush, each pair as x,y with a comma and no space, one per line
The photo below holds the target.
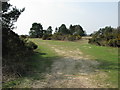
107,36
59,36
47,36
31,45
73,37
24,36
15,48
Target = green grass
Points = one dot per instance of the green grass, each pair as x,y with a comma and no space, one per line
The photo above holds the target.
44,56
38,64
42,60
107,56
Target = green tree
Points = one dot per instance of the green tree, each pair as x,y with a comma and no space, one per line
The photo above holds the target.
56,30
79,30
36,30
76,30
49,30
71,29
63,30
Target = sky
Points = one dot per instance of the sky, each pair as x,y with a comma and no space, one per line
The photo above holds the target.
90,15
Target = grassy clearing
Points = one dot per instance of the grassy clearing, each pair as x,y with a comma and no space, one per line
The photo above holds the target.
107,56
42,60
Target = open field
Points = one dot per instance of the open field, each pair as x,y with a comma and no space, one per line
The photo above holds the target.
63,64
60,45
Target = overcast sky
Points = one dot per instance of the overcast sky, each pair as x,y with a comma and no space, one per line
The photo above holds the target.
90,15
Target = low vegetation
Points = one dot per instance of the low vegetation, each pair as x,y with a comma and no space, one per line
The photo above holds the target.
41,62
15,49
58,36
106,56
36,66
107,36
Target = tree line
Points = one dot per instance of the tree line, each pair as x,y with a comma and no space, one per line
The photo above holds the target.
107,36
61,33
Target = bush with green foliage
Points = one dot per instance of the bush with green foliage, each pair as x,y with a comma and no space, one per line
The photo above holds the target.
15,48
31,46
47,36
107,36
71,38
24,36
59,36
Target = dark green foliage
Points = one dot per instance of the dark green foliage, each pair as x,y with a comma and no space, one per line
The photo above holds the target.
56,30
9,16
36,31
62,33
73,33
49,30
15,49
73,37
72,29
63,30
59,36
78,37
24,36
31,45
76,30
47,36
9,38
107,36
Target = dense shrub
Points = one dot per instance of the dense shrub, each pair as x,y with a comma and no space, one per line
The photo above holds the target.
78,37
114,43
46,37
107,36
15,48
71,38
23,36
58,36
68,37
31,45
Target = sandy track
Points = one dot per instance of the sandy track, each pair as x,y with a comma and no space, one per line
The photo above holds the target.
72,71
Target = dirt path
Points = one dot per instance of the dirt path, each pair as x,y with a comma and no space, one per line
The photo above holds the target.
74,70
